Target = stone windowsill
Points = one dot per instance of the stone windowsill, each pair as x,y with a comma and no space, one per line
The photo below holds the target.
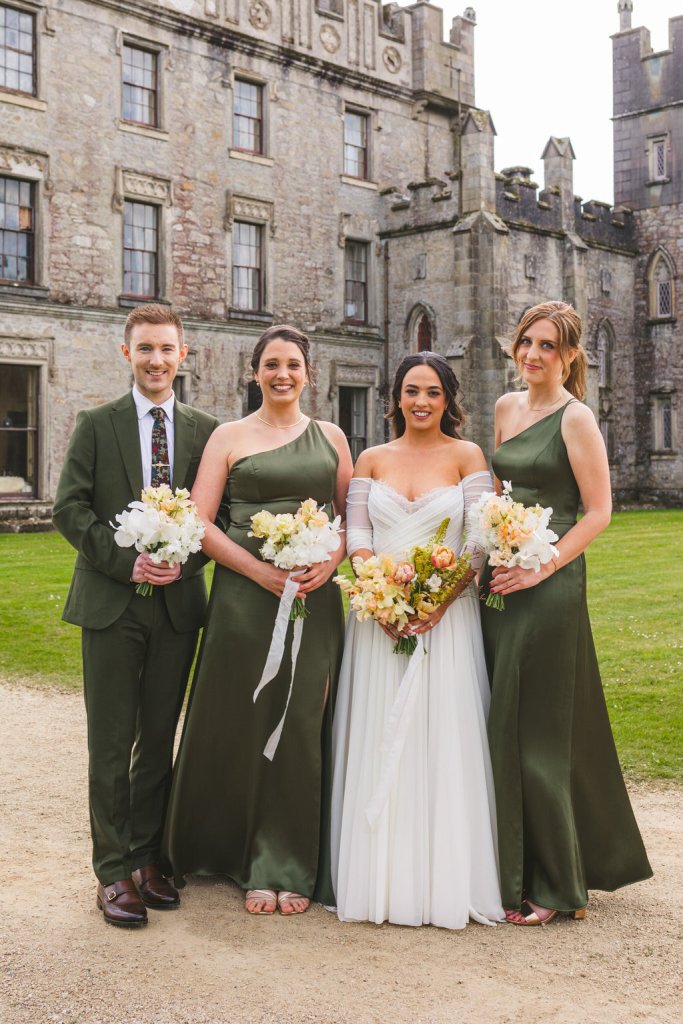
246,314
25,291
252,158
359,330
666,455
22,100
655,321
346,179
657,181
145,130
131,301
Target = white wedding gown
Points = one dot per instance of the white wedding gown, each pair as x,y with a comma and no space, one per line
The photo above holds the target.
431,855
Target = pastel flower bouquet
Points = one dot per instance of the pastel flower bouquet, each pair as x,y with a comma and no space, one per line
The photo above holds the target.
393,592
164,524
291,541
511,534
296,540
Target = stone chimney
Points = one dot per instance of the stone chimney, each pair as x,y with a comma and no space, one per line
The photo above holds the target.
625,8
559,174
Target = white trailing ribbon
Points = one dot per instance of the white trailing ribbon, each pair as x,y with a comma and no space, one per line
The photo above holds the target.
274,659
395,732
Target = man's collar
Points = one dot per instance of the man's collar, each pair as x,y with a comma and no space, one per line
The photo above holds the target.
143,405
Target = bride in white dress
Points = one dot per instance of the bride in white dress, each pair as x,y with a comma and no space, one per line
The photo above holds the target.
413,813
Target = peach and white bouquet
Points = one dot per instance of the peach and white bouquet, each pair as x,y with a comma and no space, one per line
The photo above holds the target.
296,540
164,524
511,533
292,541
393,592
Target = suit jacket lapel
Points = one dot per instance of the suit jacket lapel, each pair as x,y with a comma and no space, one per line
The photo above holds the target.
125,423
185,428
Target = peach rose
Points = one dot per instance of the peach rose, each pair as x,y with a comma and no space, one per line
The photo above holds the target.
442,557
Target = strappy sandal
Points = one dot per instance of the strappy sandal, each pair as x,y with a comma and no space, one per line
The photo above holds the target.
267,896
285,896
531,919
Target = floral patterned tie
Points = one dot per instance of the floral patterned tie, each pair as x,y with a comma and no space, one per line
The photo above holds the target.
161,471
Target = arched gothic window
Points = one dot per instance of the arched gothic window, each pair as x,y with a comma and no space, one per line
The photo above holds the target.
662,291
424,334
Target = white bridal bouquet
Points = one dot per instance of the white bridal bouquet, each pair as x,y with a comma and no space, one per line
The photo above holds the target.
291,541
164,524
512,533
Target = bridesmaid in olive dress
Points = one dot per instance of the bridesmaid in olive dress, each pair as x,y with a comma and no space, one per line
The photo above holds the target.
565,824
263,823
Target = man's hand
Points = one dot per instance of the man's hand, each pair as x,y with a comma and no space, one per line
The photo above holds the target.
156,573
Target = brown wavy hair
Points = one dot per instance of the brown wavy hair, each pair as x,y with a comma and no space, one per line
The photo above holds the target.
568,323
285,333
453,415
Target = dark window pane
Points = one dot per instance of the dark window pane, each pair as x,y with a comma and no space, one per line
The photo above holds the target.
140,85
16,238
248,116
355,144
140,250
17,50
355,282
18,430
247,288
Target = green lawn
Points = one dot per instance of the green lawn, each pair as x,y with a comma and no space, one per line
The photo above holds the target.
636,603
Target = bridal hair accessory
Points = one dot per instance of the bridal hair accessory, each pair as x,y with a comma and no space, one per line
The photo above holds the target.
165,525
294,542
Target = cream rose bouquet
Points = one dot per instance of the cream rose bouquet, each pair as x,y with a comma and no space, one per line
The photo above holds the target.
511,534
296,540
291,541
164,524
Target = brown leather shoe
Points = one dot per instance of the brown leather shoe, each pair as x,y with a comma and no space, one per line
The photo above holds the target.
121,905
155,890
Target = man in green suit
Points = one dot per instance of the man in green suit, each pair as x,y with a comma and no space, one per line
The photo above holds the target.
137,651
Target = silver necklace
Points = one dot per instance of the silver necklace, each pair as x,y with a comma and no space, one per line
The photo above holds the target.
278,426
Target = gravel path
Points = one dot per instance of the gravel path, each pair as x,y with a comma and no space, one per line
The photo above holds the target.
209,963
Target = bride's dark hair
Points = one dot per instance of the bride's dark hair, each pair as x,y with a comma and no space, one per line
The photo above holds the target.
453,414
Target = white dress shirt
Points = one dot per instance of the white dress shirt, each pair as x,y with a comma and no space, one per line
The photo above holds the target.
145,424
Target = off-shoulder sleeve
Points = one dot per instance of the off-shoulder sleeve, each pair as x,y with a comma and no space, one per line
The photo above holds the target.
358,525
473,486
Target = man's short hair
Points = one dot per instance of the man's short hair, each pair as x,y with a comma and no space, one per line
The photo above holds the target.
153,313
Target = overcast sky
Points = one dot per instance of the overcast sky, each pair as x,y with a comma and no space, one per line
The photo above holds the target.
544,67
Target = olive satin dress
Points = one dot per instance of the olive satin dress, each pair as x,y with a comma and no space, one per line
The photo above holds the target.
233,812
565,823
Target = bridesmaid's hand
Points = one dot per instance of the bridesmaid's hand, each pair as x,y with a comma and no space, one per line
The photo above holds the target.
506,581
314,576
270,578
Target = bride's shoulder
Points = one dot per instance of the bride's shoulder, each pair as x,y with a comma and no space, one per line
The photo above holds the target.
470,457
368,461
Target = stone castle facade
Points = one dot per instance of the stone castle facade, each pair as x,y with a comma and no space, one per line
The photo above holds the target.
319,162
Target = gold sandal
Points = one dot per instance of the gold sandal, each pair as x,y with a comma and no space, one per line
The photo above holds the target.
267,896
285,896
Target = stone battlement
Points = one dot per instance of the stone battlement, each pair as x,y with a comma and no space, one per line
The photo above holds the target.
643,78
520,201
401,46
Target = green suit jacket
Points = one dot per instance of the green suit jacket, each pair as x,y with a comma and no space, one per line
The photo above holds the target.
102,473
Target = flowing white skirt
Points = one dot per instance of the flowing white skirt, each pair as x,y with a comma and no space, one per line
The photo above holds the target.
431,857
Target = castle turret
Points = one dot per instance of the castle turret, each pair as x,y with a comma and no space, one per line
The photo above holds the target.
558,157
479,182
